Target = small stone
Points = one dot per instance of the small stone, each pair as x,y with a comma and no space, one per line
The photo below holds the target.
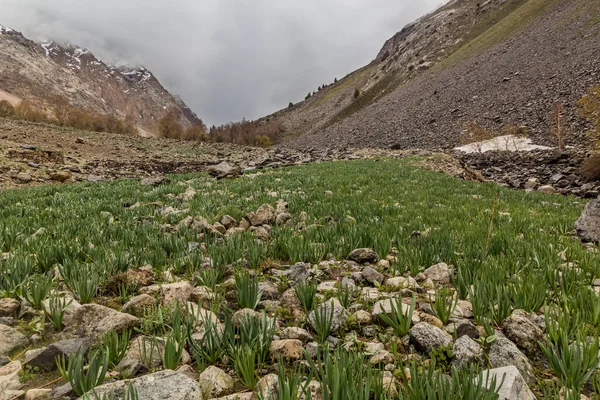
439,273
216,382
428,337
293,332
509,382
363,256
505,353
228,222
138,304
154,181
265,215
287,348
45,358
521,328
466,351
382,357
11,339
23,177
60,176
373,276
9,307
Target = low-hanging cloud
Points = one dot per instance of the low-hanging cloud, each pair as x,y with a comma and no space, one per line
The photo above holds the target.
228,59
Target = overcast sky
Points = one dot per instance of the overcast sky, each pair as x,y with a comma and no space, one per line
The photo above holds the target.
228,59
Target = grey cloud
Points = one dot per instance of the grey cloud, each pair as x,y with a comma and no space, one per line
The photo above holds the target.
228,59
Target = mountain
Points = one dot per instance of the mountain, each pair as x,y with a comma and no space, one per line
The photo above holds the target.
494,63
44,73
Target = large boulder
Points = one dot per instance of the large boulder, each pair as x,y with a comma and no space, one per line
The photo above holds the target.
160,385
216,382
427,337
588,224
45,358
509,382
521,328
504,353
94,320
224,170
11,339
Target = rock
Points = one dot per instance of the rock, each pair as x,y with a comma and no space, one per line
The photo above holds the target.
439,273
95,178
60,176
188,371
297,273
23,177
94,320
282,218
385,306
216,382
38,394
45,358
521,328
262,232
588,224
178,291
467,329
464,309
287,348
11,339
294,332
154,180
266,388
382,357
427,337
188,195
129,367
363,256
63,392
9,307
265,215
224,170
513,387
160,385
203,295
373,276
9,380
466,351
504,353
547,189
138,304
363,317
228,221
217,226
237,396
339,314
400,282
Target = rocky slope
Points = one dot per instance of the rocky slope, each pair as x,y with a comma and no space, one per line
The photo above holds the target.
495,63
49,72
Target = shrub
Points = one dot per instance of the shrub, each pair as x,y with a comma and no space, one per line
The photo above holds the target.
397,319
169,126
306,292
84,379
27,112
247,293
589,108
590,169
290,105
6,109
356,93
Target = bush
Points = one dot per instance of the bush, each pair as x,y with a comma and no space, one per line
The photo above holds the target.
356,93
590,169
6,109
170,127
257,133
589,108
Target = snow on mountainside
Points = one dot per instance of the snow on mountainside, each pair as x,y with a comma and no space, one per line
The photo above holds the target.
42,73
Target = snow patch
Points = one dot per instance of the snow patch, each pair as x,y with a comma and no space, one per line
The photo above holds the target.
5,29
502,143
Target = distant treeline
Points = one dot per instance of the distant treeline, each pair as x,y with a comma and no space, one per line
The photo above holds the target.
65,115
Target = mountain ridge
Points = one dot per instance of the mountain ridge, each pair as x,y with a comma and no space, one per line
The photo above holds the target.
47,72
